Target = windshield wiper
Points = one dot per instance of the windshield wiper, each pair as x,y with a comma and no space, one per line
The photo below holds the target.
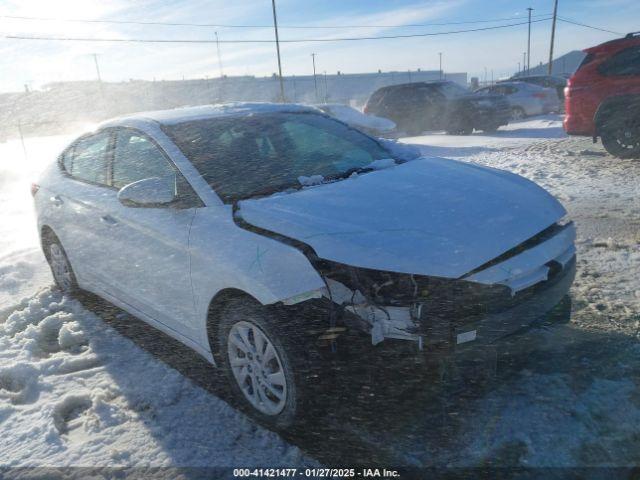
348,173
264,192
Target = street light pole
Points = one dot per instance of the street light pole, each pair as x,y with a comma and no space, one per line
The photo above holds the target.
315,82
275,26
95,60
529,42
553,35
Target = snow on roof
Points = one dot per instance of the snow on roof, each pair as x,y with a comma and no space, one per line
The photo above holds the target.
184,114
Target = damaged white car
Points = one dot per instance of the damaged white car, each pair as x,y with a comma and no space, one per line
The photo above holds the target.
230,227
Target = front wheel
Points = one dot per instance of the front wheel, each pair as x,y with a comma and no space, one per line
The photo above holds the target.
621,136
263,363
490,128
460,130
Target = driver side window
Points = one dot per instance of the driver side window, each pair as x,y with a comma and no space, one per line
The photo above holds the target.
136,158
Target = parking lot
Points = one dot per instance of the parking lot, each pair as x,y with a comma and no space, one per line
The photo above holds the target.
109,390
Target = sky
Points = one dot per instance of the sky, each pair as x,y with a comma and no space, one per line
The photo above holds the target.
37,62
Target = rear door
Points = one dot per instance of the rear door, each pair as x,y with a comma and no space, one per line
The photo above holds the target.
147,247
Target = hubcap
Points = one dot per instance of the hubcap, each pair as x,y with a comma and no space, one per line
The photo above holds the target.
628,136
60,267
257,368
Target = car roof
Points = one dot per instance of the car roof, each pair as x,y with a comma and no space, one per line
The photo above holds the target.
519,83
629,40
203,112
537,76
431,83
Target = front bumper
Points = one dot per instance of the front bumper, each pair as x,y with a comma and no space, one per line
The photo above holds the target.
459,317
494,327
490,116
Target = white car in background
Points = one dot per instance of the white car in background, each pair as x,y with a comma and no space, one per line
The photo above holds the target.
371,124
525,99
252,232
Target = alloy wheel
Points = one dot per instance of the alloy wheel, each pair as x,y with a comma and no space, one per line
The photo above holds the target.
517,114
257,368
628,136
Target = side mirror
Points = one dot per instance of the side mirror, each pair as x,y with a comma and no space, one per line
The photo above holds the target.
149,192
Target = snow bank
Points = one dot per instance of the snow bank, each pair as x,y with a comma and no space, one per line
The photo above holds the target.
75,392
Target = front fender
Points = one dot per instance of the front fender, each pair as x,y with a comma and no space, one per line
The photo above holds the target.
226,256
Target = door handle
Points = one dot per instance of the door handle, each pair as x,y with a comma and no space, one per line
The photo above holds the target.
109,220
56,200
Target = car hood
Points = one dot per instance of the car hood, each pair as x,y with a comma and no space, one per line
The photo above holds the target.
428,216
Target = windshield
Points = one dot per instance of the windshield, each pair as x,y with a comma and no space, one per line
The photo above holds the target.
241,157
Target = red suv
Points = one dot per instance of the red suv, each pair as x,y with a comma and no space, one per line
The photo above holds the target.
602,98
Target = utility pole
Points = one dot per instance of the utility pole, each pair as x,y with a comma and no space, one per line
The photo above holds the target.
440,55
553,34
219,58
315,82
95,60
529,42
524,62
275,26
326,89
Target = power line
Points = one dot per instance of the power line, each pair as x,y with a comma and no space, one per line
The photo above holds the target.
573,22
219,25
303,40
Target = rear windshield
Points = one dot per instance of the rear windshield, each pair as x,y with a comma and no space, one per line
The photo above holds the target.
376,98
241,157
586,60
452,90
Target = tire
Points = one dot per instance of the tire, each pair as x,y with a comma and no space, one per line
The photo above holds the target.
277,403
63,276
490,128
518,113
620,135
460,131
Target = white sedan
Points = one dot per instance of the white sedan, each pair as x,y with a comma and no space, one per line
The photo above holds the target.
256,233
525,99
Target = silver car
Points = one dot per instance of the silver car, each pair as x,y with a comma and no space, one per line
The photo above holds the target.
525,98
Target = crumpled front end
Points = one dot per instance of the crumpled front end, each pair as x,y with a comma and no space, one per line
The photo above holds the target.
493,301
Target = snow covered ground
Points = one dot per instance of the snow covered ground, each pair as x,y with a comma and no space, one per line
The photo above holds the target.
76,390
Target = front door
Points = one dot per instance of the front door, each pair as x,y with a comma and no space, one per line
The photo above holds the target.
148,258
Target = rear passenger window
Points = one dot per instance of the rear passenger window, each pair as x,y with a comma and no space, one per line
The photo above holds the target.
89,161
66,159
626,62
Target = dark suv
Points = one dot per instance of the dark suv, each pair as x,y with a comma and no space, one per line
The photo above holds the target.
441,105
602,98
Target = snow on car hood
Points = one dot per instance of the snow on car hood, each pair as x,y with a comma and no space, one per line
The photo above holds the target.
353,117
429,216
